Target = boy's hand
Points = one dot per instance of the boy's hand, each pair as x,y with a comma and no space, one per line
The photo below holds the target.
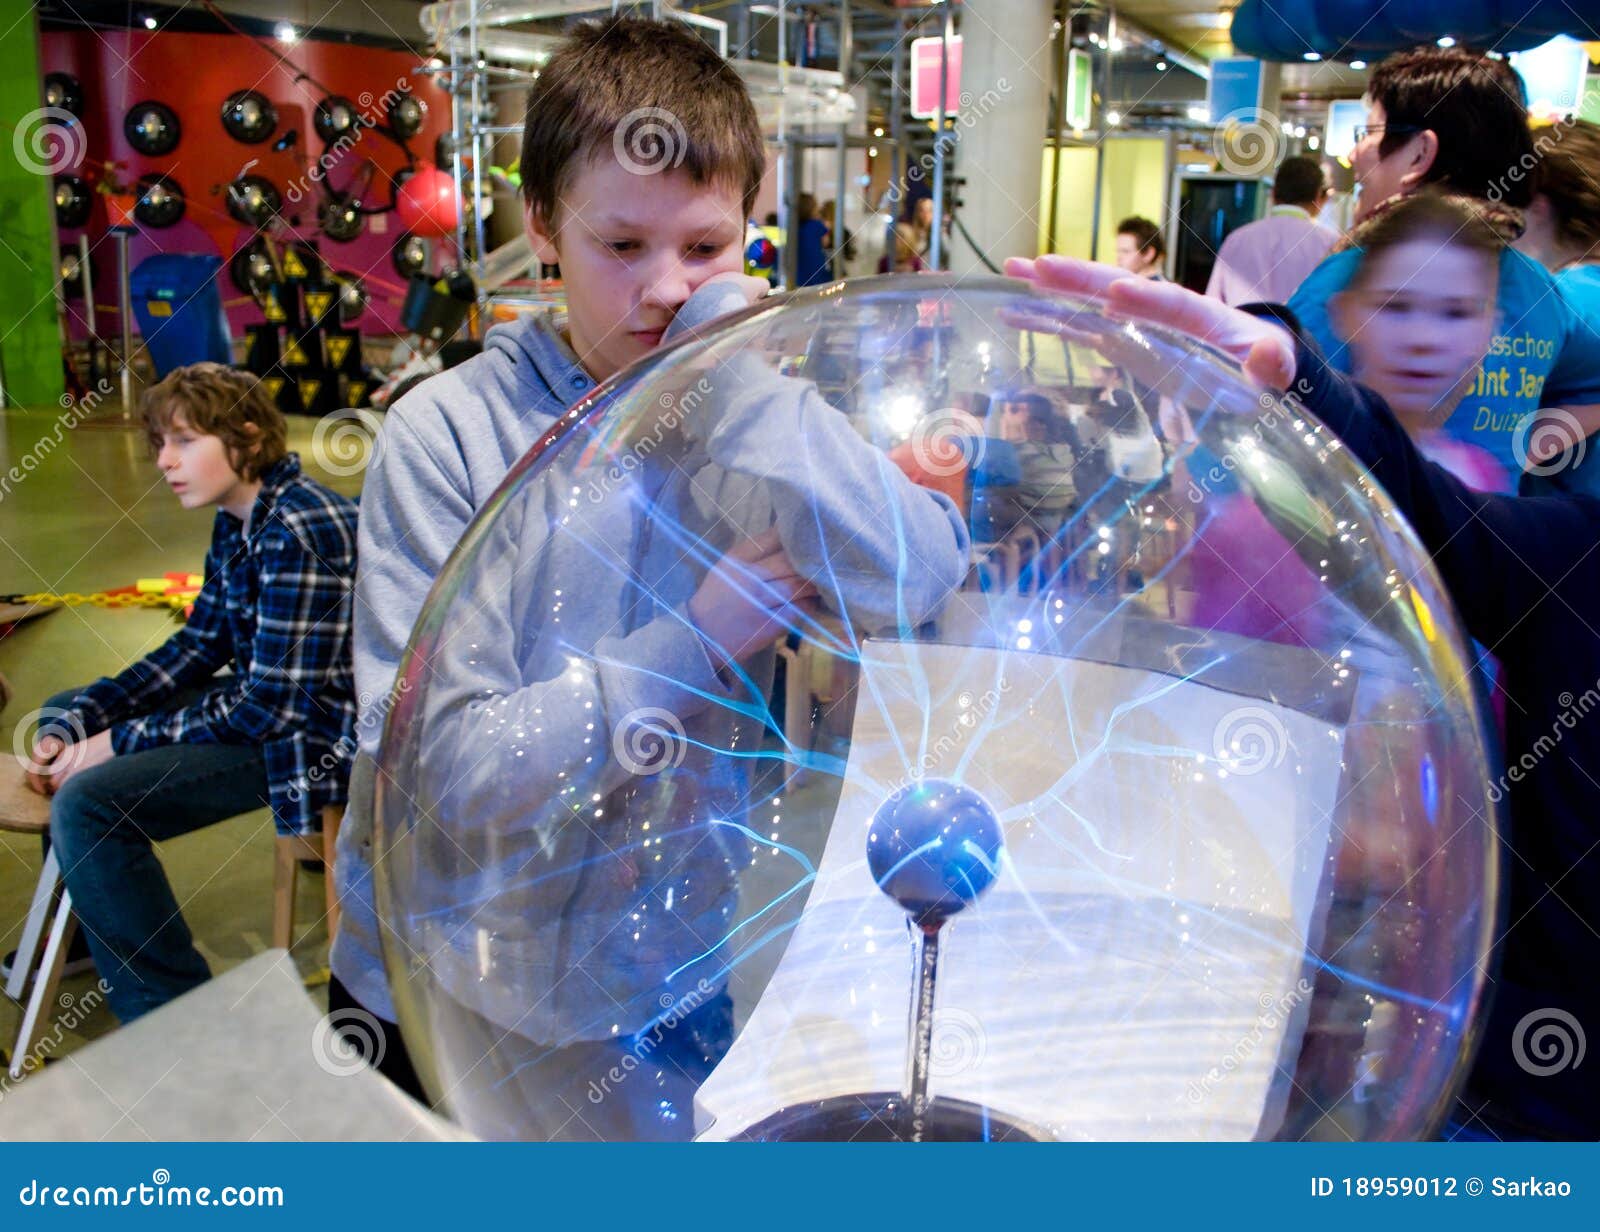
713,298
84,755
40,773
748,598
1263,348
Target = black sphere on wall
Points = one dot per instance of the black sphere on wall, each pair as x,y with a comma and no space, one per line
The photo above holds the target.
249,116
161,201
152,127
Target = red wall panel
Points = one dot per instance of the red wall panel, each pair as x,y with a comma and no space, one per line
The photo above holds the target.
193,74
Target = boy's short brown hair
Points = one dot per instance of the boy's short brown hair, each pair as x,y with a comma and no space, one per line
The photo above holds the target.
648,90
216,400
1146,234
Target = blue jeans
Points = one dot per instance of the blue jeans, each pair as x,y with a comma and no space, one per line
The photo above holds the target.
103,825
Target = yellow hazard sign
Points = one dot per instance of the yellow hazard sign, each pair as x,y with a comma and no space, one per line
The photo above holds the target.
317,302
338,348
293,354
308,390
293,266
274,384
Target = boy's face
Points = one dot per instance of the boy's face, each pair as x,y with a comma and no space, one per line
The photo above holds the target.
1131,257
632,249
1418,323
196,466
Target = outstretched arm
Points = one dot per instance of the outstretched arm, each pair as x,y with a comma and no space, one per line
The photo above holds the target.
1500,556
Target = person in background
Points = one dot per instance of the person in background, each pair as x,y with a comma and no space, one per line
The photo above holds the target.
1267,259
906,258
1455,121
1140,247
1418,317
814,268
1563,235
1338,211
173,743
840,242
920,216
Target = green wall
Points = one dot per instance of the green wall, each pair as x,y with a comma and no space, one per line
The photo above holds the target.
30,333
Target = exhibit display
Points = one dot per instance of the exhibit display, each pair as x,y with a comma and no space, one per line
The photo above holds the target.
853,723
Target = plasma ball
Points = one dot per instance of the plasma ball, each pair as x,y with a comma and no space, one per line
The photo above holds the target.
933,847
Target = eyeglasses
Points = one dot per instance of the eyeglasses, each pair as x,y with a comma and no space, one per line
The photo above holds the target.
1363,131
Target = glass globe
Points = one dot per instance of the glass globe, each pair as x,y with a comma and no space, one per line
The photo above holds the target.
929,709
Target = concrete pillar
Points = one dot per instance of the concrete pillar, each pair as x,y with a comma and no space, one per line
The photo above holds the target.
1007,64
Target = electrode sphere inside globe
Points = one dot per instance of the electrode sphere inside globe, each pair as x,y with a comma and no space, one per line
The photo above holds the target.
921,709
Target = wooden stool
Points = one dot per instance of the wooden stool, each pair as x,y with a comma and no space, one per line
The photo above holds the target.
291,849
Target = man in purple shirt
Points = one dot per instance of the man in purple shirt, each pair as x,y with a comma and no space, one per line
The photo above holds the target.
1265,261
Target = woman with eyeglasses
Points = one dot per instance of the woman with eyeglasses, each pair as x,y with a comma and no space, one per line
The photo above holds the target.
1453,121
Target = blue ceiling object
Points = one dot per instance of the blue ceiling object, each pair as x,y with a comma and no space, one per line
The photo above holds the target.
1289,30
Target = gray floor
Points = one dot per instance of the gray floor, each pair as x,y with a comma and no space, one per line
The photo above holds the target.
89,513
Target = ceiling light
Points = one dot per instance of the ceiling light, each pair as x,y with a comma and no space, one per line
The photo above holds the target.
1161,66
1358,64
1447,41
1312,56
285,33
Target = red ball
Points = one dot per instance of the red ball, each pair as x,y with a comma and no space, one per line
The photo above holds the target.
428,204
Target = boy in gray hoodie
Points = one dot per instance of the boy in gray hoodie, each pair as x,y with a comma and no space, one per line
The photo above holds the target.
649,237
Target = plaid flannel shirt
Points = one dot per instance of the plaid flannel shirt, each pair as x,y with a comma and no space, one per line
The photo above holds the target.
276,607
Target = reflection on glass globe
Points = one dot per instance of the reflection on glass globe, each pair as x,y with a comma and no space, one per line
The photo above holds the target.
920,709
